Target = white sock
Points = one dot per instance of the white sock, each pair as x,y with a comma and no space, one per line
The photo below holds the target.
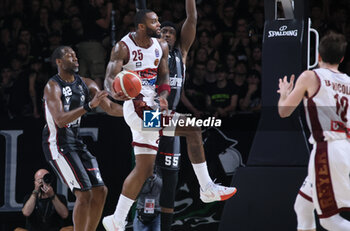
123,207
201,171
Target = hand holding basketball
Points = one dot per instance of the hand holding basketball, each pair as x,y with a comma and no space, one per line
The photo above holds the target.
127,83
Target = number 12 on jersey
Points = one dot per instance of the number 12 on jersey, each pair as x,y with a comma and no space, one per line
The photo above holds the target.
342,107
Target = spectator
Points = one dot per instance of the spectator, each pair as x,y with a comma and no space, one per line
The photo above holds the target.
339,18
206,41
42,27
6,84
75,31
201,55
16,26
240,43
230,62
91,53
252,5
37,81
208,24
226,26
56,8
222,97
147,216
16,67
20,104
194,94
127,21
6,46
251,102
66,5
239,80
43,208
210,77
178,11
206,10
255,59
256,27
166,15
56,26
33,13
73,10
22,54
25,36
54,41
241,70
17,7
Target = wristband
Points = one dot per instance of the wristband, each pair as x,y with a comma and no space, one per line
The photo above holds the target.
87,107
163,87
35,191
53,197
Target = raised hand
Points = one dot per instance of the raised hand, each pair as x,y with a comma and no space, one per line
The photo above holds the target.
285,87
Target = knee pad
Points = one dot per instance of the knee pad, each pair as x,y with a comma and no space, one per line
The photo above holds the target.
167,195
305,213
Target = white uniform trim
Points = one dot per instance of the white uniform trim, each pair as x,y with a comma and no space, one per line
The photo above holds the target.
67,173
52,133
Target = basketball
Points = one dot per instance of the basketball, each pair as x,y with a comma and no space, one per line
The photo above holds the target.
128,82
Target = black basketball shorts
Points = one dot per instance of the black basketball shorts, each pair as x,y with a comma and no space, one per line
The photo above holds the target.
77,168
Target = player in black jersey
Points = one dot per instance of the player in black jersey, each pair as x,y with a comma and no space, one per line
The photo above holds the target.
68,96
168,156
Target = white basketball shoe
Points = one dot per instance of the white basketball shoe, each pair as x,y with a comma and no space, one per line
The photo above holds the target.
214,192
111,224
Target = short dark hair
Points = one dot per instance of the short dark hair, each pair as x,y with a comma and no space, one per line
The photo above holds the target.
140,16
332,48
168,23
58,53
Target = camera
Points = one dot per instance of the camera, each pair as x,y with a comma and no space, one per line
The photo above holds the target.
48,178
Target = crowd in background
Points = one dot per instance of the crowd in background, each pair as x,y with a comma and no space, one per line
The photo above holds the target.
223,73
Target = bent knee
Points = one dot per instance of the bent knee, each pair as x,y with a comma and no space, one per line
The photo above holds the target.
303,206
143,171
304,210
101,190
83,196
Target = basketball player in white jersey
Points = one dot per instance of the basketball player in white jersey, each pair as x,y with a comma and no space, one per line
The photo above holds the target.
148,56
326,95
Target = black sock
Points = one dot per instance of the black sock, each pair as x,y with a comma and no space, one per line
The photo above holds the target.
166,219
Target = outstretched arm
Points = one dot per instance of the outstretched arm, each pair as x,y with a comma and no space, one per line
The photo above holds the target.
290,98
188,30
119,55
113,109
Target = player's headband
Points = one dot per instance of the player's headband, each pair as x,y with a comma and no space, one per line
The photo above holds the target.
168,23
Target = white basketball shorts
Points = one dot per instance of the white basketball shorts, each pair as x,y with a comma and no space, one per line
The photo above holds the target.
145,140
